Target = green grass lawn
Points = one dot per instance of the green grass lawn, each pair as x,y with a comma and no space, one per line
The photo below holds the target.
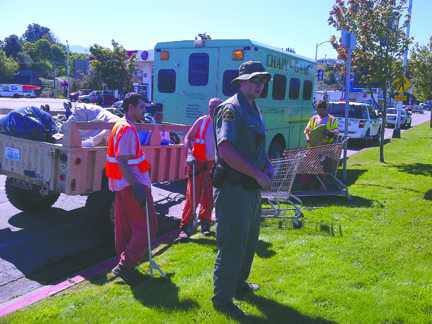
376,268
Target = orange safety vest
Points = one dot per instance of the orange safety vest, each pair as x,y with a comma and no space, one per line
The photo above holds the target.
331,126
112,169
198,149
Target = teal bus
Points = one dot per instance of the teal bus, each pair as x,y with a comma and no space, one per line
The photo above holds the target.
188,73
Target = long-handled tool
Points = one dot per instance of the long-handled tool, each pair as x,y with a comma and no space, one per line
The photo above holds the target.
152,264
195,223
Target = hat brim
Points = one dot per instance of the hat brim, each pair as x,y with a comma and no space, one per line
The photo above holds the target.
235,82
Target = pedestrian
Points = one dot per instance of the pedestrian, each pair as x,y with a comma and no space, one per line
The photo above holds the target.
241,154
128,176
201,153
327,135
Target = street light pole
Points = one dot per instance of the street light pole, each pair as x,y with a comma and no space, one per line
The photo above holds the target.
67,67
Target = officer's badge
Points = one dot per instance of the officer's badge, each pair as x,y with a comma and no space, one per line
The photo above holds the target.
228,115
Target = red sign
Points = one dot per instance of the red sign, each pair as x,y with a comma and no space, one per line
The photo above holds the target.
365,95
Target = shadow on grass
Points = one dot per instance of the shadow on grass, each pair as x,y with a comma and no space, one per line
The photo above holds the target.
415,168
161,293
428,195
275,312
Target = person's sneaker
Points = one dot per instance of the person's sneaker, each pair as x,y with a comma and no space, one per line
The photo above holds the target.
205,229
129,275
230,309
184,233
247,287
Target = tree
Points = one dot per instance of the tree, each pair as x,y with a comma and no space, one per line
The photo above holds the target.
12,46
421,67
35,32
8,67
381,42
112,67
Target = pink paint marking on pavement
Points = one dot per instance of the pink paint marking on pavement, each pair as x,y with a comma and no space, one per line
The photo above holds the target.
49,291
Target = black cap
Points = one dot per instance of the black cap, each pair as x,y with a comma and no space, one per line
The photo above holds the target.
250,69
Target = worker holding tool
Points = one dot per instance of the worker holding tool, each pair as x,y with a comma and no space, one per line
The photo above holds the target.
200,147
127,170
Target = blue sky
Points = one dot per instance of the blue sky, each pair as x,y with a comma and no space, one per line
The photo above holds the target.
299,24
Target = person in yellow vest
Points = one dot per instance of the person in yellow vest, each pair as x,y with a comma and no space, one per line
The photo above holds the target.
201,152
128,176
330,132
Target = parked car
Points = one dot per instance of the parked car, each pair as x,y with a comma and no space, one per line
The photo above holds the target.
409,108
74,95
102,98
391,117
29,93
418,109
363,122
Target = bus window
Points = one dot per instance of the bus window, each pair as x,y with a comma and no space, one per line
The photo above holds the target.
279,87
198,69
307,90
294,90
227,87
166,80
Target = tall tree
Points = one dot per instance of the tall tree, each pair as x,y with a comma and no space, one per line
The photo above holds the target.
380,29
12,46
421,67
112,67
8,67
35,32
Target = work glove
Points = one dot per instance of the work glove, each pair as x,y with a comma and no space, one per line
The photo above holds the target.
140,194
190,161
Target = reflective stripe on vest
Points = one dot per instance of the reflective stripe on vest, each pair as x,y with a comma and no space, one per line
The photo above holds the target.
112,169
199,141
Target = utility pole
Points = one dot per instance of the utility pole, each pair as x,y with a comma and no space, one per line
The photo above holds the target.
396,131
67,67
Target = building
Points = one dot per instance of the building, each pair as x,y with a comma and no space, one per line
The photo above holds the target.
143,77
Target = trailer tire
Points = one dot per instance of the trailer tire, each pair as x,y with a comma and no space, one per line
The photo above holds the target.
100,214
28,200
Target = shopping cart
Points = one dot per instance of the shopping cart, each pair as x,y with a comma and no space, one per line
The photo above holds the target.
321,160
285,169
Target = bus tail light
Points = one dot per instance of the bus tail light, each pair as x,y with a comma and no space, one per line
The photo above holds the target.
164,55
237,55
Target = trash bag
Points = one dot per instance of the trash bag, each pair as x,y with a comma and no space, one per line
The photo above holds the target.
30,123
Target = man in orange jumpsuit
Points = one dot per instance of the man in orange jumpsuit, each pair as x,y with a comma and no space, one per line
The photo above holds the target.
128,176
200,147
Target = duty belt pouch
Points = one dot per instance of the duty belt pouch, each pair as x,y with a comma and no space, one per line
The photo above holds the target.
219,173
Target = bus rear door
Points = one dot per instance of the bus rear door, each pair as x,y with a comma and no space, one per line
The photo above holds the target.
186,78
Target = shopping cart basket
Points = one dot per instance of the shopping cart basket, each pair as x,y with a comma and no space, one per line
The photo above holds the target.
321,160
285,169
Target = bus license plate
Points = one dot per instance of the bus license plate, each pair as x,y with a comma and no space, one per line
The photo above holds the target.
12,153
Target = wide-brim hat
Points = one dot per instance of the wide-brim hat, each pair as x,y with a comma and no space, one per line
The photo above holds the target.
250,69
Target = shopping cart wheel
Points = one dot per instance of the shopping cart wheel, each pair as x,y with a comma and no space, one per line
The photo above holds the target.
297,224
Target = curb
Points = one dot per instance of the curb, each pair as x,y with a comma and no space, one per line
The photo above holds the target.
43,292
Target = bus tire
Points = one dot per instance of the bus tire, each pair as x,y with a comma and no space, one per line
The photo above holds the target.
276,150
28,200
100,214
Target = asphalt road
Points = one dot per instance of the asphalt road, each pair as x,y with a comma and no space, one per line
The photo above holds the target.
38,249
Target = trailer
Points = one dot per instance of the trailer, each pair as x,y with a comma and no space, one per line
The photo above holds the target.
38,172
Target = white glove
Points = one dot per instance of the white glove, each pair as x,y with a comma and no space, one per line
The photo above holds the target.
190,161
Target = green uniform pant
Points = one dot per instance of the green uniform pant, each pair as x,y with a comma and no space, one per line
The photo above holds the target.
238,215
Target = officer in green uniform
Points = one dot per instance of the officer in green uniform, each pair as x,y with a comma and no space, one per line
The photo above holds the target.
240,138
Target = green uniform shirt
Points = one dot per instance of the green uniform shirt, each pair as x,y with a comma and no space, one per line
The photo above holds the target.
242,125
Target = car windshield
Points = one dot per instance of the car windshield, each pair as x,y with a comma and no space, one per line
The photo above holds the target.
391,111
338,110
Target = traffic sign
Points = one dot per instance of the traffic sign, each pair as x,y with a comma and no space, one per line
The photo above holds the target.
404,84
400,98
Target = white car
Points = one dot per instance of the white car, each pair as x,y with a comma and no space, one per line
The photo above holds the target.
363,122
391,116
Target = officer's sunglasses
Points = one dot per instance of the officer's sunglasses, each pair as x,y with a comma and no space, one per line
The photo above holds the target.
256,80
